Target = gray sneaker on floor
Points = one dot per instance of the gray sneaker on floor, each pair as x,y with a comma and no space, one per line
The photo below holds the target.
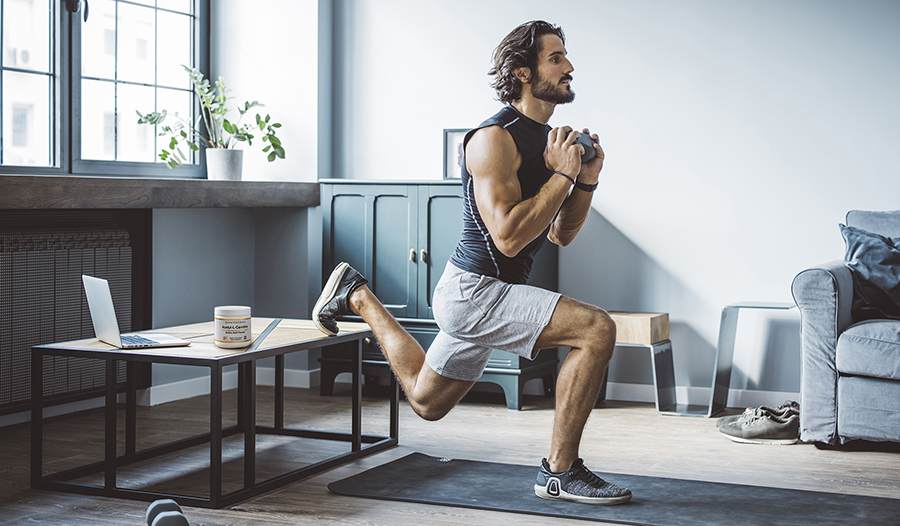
781,413
763,430
578,484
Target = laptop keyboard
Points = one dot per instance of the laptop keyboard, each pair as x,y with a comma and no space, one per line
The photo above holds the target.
136,339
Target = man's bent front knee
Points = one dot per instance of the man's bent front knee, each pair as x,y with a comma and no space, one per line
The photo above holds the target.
599,333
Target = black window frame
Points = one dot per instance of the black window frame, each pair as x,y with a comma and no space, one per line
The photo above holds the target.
66,139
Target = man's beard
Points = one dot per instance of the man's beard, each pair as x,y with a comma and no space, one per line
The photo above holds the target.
543,89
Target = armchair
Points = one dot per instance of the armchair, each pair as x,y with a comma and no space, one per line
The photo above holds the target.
850,376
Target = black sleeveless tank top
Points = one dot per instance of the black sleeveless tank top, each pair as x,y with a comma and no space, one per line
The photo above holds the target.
476,251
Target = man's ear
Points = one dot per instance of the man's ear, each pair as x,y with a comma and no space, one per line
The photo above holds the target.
523,74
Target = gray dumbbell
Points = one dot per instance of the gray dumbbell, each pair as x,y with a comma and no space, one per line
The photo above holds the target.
588,144
170,518
167,507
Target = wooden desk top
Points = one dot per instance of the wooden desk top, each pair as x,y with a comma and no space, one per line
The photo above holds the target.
289,332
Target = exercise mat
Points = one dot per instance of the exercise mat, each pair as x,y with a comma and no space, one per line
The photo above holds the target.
658,501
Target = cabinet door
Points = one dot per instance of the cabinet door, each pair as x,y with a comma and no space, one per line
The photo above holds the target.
440,225
373,227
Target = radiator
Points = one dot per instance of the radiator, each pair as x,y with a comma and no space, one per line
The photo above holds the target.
42,301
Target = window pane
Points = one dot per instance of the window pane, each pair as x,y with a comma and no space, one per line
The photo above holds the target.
98,120
26,35
174,49
173,101
182,6
134,141
26,119
135,55
98,41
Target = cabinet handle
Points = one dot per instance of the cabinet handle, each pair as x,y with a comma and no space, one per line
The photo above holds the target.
423,259
412,254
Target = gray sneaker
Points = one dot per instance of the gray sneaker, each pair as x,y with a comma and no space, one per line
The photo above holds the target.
780,413
763,430
578,484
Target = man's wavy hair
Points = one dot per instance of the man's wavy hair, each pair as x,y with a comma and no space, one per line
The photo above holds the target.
520,48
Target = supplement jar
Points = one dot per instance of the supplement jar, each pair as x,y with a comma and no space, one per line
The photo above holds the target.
232,326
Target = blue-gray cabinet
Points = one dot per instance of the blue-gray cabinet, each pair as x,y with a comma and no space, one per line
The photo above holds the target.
400,235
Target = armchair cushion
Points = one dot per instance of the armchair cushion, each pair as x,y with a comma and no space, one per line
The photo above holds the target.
870,348
874,262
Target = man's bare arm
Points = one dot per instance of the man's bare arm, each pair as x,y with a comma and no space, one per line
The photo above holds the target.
493,160
576,207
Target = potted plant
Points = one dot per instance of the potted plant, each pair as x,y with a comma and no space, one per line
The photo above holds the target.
218,135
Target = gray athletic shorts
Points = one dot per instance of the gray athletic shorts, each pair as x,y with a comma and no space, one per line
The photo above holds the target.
477,314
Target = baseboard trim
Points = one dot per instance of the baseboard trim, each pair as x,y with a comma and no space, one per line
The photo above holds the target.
170,392
624,392
59,409
737,398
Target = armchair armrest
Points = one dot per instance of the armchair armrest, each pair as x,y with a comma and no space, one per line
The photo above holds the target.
824,295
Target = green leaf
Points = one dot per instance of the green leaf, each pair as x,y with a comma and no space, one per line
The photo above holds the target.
173,143
271,156
276,125
274,140
267,148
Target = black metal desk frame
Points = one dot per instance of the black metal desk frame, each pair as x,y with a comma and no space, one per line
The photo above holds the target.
361,445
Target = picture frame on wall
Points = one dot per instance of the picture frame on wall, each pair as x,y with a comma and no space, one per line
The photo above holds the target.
453,151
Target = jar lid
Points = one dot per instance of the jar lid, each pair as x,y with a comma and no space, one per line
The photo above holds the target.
232,310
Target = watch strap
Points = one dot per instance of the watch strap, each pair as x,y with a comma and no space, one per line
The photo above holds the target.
586,187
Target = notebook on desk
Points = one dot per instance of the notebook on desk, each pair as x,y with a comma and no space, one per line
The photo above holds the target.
106,327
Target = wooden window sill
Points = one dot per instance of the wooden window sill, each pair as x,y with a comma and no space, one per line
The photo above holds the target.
18,192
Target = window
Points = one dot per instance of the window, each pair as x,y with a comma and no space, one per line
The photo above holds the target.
27,83
126,57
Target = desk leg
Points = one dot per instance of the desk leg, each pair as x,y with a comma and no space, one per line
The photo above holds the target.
131,409
248,374
279,391
356,408
240,397
395,407
215,435
111,435
37,418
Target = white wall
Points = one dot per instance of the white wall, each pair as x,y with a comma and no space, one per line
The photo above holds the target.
267,51
737,134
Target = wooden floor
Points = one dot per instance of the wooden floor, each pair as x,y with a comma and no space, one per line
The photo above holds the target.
620,438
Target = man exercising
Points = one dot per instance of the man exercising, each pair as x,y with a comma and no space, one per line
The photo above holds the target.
522,181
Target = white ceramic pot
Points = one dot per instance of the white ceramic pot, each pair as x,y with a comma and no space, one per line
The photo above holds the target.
224,164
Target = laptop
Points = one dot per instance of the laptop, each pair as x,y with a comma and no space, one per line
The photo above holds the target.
106,327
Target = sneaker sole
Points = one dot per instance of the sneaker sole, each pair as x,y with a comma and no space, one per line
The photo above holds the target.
773,441
327,295
541,491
